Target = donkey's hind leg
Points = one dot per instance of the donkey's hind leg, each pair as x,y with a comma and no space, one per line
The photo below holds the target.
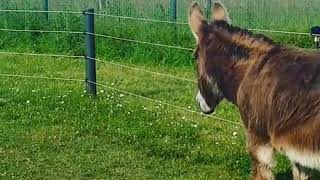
299,172
262,159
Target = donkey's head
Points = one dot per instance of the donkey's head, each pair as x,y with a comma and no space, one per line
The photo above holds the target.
209,54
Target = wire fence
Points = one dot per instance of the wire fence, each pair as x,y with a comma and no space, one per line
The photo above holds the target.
41,31
140,19
39,11
101,61
41,77
121,91
185,23
167,104
144,70
135,18
141,42
41,55
113,63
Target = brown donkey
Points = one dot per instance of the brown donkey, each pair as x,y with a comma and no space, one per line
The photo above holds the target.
276,88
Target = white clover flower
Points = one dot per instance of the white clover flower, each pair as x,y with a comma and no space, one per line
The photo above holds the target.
194,125
234,133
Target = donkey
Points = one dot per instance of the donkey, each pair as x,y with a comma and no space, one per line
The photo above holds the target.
276,89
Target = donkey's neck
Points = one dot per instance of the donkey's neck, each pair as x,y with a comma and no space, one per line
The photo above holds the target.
238,48
241,43
241,49
231,78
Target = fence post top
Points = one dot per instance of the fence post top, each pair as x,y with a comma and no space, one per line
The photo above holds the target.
89,10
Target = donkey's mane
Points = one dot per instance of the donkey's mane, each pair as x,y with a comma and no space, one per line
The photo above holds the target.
240,43
241,31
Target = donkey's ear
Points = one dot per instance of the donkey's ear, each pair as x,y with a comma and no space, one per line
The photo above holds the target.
195,19
220,13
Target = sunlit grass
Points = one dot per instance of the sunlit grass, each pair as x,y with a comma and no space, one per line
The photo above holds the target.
53,129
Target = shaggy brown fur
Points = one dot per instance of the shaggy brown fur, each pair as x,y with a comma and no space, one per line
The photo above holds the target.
276,88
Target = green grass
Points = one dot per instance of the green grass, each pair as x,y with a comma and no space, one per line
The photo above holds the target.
52,129
288,15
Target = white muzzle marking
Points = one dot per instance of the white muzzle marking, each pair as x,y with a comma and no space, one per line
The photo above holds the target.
202,102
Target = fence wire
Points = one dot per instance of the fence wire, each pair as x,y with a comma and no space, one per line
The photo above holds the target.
166,104
185,23
148,20
282,32
138,18
132,18
121,91
141,42
99,35
41,77
137,41
102,61
39,11
42,55
42,31
143,70
116,64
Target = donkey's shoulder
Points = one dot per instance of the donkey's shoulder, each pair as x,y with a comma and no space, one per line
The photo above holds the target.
298,67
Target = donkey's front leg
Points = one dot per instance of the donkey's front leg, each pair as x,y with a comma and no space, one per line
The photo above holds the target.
261,157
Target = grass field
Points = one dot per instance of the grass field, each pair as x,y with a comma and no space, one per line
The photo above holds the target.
295,15
53,130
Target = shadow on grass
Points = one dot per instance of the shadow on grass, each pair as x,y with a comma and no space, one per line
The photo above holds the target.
315,175
284,176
